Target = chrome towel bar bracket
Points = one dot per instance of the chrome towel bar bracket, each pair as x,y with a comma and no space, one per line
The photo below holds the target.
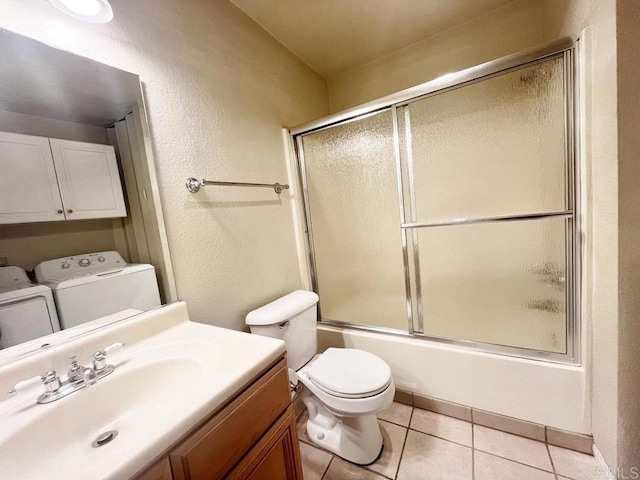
193,185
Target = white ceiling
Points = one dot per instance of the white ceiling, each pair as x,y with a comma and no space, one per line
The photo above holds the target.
333,36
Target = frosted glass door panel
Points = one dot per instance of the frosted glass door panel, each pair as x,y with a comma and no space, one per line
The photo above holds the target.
500,283
492,148
353,201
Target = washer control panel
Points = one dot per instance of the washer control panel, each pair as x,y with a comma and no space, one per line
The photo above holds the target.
78,265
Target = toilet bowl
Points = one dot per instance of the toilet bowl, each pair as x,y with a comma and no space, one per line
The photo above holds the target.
344,387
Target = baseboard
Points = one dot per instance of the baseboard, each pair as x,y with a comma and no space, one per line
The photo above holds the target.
542,433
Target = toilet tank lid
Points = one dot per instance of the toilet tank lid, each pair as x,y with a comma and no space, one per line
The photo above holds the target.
282,309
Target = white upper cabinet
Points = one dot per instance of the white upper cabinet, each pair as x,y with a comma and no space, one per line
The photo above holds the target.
28,185
44,179
88,179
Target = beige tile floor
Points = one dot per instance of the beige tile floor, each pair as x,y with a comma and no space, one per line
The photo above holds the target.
423,445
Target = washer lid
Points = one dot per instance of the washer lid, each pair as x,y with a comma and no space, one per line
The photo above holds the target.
79,279
350,372
13,278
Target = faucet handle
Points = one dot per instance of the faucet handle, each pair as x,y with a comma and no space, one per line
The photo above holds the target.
25,385
51,381
75,372
100,357
113,347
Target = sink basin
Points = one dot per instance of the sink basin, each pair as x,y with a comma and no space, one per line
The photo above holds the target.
161,388
129,402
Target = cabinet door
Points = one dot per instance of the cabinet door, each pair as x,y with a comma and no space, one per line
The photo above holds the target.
88,178
275,457
212,450
28,185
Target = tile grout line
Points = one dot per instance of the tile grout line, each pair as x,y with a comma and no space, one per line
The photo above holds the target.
443,438
473,449
546,444
518,462
553,467
440,413
327,469
404,443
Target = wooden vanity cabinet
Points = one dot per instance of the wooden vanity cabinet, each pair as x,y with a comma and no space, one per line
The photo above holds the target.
252,437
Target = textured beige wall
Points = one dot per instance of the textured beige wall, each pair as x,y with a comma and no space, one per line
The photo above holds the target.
614,144
569,18
26,245
561,18
604,235
628,43
506,30
218,90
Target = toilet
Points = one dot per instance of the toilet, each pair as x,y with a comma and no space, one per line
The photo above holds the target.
345,387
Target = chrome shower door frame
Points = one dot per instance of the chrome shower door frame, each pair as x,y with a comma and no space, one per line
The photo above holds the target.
564,48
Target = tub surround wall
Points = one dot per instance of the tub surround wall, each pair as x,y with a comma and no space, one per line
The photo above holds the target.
218,89
539,392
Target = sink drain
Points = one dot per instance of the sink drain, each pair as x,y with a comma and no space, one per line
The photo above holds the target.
104,438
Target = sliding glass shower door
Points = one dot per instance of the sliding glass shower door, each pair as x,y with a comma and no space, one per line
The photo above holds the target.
489,208
350,173
452,215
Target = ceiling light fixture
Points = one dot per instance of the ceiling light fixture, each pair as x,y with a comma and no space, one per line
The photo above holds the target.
94,11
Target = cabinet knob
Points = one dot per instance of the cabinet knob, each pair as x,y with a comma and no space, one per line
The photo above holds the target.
69,211
59,212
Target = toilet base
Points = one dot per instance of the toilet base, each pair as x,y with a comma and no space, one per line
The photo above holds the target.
356,439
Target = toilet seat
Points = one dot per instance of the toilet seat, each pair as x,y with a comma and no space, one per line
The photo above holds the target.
349,373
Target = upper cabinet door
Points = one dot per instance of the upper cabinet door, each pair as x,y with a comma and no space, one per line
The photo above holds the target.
88,178
28,185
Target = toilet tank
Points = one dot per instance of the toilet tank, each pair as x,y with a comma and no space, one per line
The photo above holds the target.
291,318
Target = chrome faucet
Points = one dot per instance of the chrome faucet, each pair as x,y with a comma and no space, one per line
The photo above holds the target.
78,377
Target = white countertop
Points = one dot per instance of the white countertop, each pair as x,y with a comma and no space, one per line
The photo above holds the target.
165,383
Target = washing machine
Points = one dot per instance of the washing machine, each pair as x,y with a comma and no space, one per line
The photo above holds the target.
94,285
27,311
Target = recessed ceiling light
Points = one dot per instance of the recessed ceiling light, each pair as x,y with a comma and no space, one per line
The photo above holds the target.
95,11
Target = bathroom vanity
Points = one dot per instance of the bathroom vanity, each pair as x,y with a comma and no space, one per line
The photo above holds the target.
253,436
185,401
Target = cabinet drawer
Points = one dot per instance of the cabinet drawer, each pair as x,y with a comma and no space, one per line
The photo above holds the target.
218,445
